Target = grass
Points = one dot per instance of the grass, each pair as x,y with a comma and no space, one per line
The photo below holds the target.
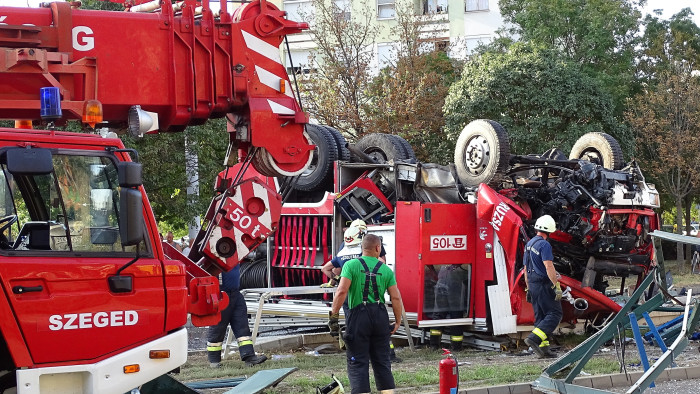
418,373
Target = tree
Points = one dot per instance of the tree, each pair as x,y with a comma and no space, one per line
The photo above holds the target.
164,177
334,92
666,123
407,96
667,44
541,99
598,35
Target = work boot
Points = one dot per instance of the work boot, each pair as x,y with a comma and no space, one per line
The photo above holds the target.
535,345
435,339
214,354
255,359
547,352
248,353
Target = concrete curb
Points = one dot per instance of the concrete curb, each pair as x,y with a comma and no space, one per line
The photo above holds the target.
602,382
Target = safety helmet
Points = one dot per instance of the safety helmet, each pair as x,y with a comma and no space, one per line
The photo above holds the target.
352,236
359,223
546,223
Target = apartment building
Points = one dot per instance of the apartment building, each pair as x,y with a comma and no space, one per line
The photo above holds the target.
463,23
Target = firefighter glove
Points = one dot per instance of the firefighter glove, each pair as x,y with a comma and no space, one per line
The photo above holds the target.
557,292
528,297
333,325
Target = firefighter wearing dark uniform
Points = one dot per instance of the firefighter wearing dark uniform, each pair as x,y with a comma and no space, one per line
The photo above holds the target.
543,288
235,314
450,295
364,282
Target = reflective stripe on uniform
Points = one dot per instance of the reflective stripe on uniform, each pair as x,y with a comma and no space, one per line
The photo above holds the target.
243,343
540,334
457,338
214,346
544,343
391,345
435,332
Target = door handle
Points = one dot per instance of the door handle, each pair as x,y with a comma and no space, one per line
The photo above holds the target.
26,289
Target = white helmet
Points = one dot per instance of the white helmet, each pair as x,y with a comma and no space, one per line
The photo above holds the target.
546,223
359,223
352,236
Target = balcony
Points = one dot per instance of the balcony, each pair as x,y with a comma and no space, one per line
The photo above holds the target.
434,25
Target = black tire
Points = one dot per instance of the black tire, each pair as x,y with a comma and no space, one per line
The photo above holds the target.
599,148
341,142
407,148
382,147
320,171
482,151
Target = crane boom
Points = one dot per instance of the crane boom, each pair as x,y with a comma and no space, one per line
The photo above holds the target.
183,65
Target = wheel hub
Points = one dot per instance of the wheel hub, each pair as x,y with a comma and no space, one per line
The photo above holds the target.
477,154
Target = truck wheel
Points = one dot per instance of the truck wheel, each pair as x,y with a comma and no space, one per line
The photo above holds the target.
598,148
341,142
407,148
320,171
381,147
482,151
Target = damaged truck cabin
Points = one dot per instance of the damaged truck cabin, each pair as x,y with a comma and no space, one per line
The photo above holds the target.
455,235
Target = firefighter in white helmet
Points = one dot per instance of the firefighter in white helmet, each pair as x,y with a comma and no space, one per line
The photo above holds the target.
349,249
543,288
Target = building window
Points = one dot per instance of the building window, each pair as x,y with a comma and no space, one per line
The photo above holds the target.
300,62
476,5
386,55
298,11
385,9
343,9
434,7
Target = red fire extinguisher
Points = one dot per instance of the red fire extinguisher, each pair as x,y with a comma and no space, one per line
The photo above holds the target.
449,373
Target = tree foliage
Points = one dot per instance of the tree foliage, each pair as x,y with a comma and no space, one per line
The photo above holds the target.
541,99
164,176
599,35
667,44
334,92
666,123
407,96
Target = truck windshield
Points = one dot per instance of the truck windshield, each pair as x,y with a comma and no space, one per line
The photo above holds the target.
75,208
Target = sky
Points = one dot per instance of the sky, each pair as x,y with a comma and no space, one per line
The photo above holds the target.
670,7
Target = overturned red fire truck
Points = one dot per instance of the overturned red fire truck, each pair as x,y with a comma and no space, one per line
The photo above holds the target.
455,235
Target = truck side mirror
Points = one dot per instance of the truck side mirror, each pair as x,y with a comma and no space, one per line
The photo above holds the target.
129,174
130,216
34,161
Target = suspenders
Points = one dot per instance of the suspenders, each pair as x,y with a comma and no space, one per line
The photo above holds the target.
370,279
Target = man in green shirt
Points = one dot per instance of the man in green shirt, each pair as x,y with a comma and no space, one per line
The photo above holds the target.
364,281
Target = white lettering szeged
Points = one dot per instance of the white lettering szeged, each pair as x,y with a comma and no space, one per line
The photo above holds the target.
74,321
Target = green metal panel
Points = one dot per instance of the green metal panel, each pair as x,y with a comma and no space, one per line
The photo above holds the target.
261,380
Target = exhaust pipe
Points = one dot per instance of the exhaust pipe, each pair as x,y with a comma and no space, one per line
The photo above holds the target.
580,304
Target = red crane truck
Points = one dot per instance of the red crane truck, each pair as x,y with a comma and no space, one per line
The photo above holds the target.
92,301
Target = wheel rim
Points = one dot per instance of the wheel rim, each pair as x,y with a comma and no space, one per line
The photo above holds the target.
477,155
592,155
313,165
377,154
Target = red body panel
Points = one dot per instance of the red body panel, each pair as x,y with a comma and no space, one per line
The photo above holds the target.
75,318
430,235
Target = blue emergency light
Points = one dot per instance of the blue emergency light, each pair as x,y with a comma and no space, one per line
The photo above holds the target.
50,103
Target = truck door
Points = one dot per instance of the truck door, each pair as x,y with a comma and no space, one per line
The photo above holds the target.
59,243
